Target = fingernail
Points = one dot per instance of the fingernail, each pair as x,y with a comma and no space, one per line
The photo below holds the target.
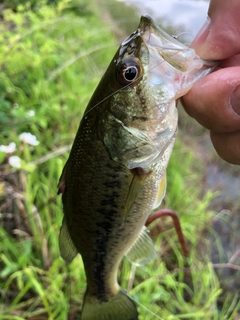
202,33
235,100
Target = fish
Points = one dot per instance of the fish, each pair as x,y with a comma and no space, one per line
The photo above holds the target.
116,171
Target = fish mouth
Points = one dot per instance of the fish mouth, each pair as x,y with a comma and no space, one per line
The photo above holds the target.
179,56
158,43
170,59
167,54
154,36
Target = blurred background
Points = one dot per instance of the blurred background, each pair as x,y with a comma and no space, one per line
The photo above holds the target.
52,56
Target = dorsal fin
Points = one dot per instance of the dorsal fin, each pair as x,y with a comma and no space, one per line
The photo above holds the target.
67,248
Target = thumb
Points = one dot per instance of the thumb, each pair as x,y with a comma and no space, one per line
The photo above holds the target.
218,39
214,101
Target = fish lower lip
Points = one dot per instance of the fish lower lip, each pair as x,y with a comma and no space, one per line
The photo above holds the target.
145,22
154,36
151,34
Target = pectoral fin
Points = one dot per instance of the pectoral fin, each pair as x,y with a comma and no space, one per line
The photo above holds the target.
67,248
139,177
142,251
161,191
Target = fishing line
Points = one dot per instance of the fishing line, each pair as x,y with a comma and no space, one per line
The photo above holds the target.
128,85
182,33
108,97
150,311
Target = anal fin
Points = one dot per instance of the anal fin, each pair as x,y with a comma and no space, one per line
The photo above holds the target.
142,251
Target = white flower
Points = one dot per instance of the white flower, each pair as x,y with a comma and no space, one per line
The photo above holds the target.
31,113
14,161
8,149
29,138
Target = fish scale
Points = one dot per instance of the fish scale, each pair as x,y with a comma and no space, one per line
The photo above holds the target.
115,174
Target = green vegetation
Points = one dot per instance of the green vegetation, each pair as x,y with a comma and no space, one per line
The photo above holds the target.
51,59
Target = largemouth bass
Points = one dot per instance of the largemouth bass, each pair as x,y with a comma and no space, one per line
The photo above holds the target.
115,174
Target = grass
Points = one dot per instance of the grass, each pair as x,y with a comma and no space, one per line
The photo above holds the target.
51,61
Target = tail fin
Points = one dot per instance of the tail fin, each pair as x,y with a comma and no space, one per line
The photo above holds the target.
119,307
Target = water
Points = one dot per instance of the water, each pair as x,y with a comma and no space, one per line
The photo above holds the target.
184,15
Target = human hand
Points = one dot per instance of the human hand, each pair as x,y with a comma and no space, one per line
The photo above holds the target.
214,101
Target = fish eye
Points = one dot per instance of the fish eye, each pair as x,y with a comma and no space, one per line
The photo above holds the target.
128,72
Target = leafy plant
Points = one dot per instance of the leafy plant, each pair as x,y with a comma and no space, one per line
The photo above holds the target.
50,64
